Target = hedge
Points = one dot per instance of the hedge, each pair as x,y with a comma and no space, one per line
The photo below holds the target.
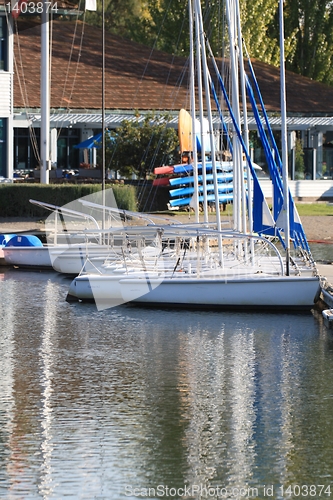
14,198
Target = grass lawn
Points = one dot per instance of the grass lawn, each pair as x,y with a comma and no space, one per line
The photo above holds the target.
314,209
303,209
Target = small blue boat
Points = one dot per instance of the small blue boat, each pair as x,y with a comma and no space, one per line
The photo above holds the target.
222,177
223,198
223,188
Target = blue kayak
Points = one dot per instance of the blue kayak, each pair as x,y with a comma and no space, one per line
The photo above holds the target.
178,181
226,166
223,198
223,188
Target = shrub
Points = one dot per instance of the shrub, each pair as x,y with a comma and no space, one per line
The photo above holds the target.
14,198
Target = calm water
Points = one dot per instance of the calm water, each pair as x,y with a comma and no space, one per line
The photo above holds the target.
104,405
322,252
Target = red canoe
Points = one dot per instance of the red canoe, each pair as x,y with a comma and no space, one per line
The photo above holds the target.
163,170
161,181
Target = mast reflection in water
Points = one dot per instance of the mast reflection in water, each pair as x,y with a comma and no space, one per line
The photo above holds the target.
108,404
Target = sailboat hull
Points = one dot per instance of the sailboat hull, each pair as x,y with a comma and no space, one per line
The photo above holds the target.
34,257
248,292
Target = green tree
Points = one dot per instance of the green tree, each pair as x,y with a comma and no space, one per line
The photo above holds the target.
119,15
137,147
257,20
310,23
308,33
164,25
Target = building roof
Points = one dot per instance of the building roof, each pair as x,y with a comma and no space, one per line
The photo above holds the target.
136,77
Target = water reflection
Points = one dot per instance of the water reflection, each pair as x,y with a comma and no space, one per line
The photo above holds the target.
46,375
322,252
7,401
95,404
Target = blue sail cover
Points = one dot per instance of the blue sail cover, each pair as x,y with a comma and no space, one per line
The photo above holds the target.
275,168
263,222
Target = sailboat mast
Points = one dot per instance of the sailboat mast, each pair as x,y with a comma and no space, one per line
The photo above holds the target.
284,141
245,129
103,112
237,149
45,98
192,94
201,113
210,127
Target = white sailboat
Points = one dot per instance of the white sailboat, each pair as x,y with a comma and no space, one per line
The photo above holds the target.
189,273
215,268
28,250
